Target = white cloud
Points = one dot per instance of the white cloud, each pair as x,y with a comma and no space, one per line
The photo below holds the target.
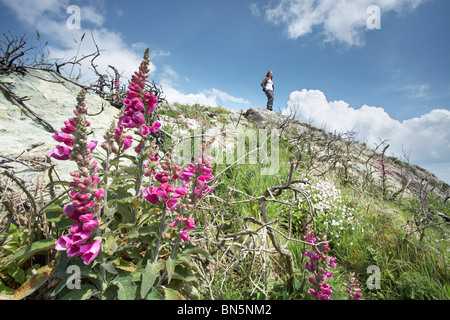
254,9
175,96
417,91
225,96
114,51
50,17
169,79
31,11
340,21
90,14
212,98
427,138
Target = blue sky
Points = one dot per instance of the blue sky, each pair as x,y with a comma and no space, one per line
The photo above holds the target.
388,83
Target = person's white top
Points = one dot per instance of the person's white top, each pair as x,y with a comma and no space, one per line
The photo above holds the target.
269,85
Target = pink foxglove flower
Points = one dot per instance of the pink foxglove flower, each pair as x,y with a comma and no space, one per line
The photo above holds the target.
60,153
150,195
91,252
144,130
155,127
65,138
184,236
84,194
317,265
171,204
63,243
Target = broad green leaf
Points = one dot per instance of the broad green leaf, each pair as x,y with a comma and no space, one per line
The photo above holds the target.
18,274
171,294
170,268
154,295
28,251
190,291
85,292
127,289
33,283
110,245
149,275
184,259
192,249
125,265
108,266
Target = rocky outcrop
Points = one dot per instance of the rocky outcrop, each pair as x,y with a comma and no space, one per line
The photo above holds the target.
32,107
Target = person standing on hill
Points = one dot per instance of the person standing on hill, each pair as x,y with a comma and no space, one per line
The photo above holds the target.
268,88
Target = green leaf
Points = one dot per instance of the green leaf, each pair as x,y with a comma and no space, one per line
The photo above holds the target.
171,294
154,295
33,283
149,275
28,251
170,268
108,266
57,183
184,259
127,289
192,249
190,291
125,265
18,274
110,245
84,293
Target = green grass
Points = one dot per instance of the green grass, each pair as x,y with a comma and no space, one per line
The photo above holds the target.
410,269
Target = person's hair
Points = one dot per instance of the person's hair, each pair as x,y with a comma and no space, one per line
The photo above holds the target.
268,74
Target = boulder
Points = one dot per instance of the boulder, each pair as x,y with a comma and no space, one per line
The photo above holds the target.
32,106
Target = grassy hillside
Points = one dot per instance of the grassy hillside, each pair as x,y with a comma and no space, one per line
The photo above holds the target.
385,231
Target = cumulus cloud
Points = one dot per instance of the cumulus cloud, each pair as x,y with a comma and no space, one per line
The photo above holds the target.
212,98
169,79
426,139
50,17
67,44
30,12
339,21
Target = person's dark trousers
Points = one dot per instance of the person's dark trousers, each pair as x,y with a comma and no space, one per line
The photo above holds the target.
269,94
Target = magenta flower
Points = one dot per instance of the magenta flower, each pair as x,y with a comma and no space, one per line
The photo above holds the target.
63,243
127,141
155,127
72,212
92,145
179,192
127,122
60,153
318,266
81,237
184,236
90,225
150,194
152,102
138,117
91,252
144,130
171,204
65,138
99,194
173,224
190,224
84,194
